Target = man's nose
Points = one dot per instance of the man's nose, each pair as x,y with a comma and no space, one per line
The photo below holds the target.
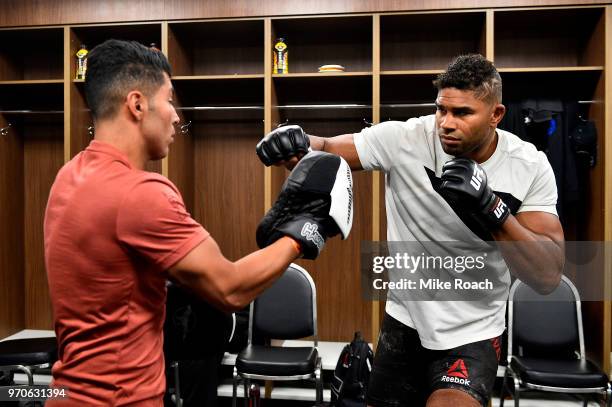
448,122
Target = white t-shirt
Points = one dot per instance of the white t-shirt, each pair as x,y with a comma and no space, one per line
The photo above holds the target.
411,156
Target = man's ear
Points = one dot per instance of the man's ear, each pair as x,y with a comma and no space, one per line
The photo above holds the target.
136,103
498,114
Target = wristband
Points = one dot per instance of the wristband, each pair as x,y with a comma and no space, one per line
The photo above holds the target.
496,212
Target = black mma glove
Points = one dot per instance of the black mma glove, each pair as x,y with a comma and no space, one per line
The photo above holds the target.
282,144
464,185
315,203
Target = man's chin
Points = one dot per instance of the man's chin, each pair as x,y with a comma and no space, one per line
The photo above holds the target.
159,156
453,150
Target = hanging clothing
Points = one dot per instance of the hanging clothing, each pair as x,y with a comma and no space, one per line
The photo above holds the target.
548,123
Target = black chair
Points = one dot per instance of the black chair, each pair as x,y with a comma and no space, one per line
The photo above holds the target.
27,356
286,310
546,345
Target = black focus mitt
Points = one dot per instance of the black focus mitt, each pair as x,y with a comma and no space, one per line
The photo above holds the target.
315,203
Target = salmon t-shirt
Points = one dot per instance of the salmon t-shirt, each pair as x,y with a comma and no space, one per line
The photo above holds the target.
111,232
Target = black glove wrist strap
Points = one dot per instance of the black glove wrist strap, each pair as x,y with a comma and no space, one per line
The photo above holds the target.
495,212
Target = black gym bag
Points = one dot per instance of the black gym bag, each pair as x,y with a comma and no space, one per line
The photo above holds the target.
350,381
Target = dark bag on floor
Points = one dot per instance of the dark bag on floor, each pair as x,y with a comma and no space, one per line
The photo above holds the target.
350,381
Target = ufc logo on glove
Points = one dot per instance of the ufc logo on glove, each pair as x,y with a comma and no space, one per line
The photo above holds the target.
477,177
500,209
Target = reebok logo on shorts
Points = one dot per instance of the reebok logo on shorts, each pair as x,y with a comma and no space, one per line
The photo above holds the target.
458,369
457,373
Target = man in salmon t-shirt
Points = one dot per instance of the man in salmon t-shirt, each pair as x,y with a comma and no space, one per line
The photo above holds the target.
114,233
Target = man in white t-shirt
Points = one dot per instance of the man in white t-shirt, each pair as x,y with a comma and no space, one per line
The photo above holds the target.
450,177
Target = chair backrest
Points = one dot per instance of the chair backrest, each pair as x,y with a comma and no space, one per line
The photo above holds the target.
548,326
287,309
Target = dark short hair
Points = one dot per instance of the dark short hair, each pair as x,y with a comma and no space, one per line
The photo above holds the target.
472,72
115,68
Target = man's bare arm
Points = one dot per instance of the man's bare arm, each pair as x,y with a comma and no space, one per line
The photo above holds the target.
533,246
232,285
342,145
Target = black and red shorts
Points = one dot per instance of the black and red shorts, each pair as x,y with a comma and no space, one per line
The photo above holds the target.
405,373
